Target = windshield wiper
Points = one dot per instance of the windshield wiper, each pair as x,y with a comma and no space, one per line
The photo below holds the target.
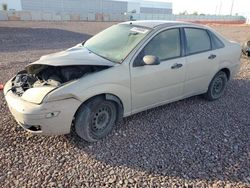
133,33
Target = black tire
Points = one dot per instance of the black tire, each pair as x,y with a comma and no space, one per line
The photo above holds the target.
95,119
217,86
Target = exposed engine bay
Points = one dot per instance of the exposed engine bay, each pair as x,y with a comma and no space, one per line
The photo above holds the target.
46,75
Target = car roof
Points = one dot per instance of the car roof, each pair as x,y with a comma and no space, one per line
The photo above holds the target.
160,23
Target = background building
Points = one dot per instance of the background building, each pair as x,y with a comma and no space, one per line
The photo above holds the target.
91,6
154,7
102,10
11,4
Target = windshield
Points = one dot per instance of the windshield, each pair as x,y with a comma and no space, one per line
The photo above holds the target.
116,42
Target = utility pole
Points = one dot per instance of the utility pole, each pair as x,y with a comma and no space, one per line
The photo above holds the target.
220,7
232,7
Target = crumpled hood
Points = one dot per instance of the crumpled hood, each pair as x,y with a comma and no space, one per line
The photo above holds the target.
77,55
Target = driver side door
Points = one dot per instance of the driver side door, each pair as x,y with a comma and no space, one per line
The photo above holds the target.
154,85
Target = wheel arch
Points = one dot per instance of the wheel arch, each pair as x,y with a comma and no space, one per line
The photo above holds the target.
106,96
227,71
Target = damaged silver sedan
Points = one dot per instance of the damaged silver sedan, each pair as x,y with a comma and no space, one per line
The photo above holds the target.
125,69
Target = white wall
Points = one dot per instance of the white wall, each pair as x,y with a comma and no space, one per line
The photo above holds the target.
133,6
156,4
11,4
147,3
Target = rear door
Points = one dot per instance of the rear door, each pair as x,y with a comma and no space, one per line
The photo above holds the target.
201,61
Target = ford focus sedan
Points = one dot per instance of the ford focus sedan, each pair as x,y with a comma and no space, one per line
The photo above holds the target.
125,69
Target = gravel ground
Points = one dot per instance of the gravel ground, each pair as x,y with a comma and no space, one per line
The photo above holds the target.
189,143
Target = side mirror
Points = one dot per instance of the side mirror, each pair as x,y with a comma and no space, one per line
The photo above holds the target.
151,60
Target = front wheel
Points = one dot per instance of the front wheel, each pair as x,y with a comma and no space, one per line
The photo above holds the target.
95,119
217,86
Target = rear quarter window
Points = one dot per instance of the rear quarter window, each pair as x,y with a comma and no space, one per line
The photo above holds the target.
216,42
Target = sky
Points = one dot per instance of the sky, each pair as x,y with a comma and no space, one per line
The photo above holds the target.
242,7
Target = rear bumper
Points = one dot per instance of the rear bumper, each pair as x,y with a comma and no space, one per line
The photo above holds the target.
52,118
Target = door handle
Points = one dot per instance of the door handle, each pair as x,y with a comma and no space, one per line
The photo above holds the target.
212,56
176,66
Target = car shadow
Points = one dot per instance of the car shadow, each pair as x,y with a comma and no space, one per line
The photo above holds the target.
15,39
190,139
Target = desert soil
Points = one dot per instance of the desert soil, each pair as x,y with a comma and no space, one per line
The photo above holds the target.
189,143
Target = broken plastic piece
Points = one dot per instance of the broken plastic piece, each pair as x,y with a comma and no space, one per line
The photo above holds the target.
246,48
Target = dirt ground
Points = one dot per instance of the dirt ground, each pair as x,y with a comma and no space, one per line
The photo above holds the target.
189,143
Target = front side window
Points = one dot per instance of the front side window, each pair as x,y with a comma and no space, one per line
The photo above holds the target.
164,45
197,40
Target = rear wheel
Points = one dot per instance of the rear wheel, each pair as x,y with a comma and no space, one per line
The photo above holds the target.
95,119
217,86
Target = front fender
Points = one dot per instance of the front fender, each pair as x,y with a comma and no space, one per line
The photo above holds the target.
114,80
83,94
122,92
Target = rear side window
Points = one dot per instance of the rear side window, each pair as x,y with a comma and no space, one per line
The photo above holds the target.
197,40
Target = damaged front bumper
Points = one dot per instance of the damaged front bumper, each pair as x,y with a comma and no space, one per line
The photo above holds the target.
51,118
